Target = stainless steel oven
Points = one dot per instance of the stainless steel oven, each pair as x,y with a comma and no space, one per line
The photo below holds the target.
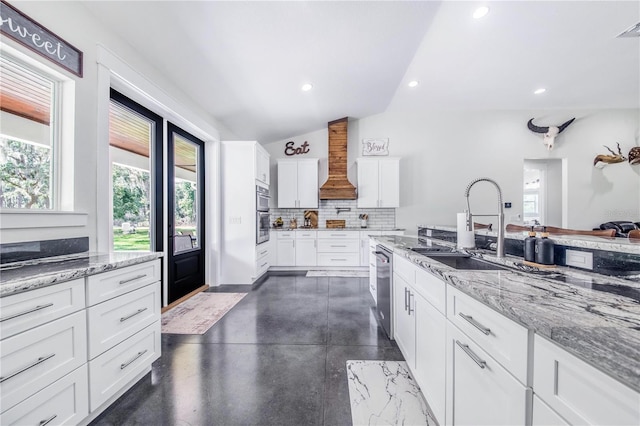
262,199
262,227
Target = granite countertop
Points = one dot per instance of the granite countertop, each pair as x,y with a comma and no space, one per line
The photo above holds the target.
355,228
29,275
623,245
593,316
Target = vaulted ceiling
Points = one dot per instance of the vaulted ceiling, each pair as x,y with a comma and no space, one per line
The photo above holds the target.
245,62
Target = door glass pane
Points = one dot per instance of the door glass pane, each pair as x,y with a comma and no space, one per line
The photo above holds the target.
186,220
130,138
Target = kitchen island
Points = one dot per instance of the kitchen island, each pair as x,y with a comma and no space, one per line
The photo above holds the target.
592,317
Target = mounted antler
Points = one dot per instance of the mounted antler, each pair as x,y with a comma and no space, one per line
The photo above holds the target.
602,160
550,132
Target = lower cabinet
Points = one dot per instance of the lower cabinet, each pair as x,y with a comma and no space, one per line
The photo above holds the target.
306,248
285,248
481,391
543,415
405,320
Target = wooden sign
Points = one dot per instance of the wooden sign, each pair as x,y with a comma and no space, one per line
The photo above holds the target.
37,38
291,150
375,146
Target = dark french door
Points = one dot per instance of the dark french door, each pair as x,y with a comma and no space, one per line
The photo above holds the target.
186,224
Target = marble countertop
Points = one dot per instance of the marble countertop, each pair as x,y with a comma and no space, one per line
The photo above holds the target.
30,275
622,245
355,228
593,316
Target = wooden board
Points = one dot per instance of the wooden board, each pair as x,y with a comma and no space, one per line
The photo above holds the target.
337,186
538,265
335,223
312,215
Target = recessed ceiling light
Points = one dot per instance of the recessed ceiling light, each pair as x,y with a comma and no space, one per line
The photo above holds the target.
540,90
413,83
306,87
480,12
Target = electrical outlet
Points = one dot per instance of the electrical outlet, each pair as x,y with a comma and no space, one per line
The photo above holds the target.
507,205
235,220
579,259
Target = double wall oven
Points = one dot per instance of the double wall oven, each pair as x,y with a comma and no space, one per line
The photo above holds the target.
262,214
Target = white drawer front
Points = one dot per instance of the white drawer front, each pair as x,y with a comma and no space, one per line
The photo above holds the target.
341,235
286,235
433,289
339,246
305,235
262,251
36,358
404,268
105,286
65,402
545,416
338,259
579,392
261,266
502,338
30,309
115,320
115,368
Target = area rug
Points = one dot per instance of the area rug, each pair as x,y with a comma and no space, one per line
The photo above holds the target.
345,274
384,393
197,314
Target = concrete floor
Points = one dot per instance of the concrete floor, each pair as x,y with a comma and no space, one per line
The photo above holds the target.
277,358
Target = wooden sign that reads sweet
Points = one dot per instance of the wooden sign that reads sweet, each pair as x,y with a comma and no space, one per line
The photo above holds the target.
375,146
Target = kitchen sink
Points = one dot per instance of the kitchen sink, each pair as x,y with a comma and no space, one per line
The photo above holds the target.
464,261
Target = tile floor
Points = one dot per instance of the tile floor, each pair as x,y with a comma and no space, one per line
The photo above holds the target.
277,358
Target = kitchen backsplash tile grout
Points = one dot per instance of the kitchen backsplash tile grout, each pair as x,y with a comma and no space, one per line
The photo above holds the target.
377,218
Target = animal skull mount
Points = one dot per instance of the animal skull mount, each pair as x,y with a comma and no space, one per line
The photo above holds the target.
550,132
602,160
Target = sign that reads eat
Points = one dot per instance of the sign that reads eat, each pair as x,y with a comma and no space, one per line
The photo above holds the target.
291,150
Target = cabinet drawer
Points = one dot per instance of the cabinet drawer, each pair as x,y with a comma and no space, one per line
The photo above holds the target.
113,321
112,370
286,235
105,286
262,251
261,266
543,415
338,259
502,338
65,402
36,358
404,268
341,235
343,246
579,392
30,309
433,289
300,235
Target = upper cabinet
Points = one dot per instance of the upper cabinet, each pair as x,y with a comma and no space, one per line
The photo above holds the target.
298,183
378,182
262,164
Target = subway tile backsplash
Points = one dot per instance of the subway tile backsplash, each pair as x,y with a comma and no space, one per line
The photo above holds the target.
327,209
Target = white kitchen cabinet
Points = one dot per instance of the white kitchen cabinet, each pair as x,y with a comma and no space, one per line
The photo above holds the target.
578,392
306,248
543,415
338,248
244,165
285,248
298,183
262,165
378,182
479,390
365,252
373,276
404,331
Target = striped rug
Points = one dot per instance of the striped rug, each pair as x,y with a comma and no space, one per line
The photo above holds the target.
199,313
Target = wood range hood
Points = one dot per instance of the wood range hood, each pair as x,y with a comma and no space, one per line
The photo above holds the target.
337,186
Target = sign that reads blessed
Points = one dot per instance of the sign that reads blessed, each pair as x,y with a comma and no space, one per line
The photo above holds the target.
375,146
34,36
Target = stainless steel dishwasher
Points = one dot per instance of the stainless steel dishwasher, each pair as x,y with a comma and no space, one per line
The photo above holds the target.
383,283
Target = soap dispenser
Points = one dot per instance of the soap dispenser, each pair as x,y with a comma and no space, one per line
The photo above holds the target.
530,246
544,249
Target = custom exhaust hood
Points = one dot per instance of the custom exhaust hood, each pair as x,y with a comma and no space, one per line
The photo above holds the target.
337,186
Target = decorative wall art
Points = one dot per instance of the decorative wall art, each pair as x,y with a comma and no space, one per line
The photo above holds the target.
634,155
18,26
291,149
549,132
602,160
375,146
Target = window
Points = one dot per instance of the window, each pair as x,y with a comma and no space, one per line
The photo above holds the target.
28,146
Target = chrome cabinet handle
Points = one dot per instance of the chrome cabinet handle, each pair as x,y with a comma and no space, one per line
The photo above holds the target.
23,369
406,304
341,260
337,245
264,264
47,421
138,355
37,308
410,296
139,311
475,323
471,354
137,277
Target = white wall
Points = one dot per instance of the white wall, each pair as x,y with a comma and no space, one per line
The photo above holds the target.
442,151
72,22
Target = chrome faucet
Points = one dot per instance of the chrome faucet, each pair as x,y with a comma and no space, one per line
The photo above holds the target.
500,215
